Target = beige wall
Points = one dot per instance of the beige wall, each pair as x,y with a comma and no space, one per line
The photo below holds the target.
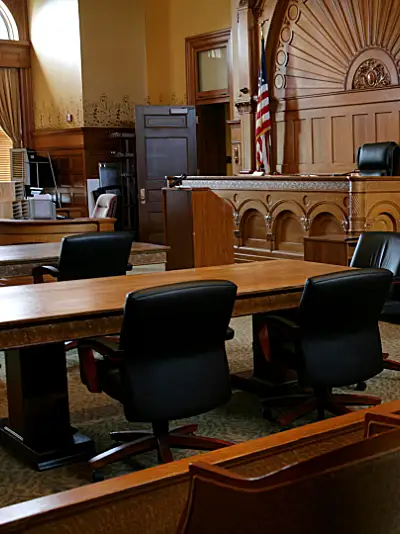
113,60
168,23
56,63
133,52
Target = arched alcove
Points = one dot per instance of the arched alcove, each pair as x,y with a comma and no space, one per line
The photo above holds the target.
325,224
384,222
288,232
253,230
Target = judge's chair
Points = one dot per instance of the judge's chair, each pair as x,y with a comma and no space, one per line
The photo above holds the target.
170,363
91,255
382,250
332,341
379,159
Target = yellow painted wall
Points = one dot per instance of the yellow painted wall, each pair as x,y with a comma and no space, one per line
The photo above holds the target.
96,59
56,63
168,23
113,60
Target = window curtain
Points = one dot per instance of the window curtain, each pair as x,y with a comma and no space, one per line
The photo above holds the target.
10,106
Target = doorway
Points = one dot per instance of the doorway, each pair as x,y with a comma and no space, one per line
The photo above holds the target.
209,88
213,140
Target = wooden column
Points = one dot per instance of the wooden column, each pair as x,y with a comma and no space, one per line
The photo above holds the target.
247,81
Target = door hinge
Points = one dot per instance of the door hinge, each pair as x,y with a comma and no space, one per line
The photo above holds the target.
143,196
197,119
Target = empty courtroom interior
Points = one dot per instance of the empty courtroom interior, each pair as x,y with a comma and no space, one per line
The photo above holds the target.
199,266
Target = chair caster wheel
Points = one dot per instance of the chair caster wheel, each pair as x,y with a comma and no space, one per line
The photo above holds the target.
267,414
97,476
361,386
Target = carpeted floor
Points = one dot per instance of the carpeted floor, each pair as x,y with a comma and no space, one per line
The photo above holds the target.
96,415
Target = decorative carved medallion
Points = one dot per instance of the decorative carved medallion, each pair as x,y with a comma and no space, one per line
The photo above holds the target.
345,224
319,41
305,222
370,75
268,222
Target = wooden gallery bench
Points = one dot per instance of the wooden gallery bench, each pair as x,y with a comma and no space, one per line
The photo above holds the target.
152,501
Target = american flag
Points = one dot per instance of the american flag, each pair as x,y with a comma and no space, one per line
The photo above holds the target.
263,120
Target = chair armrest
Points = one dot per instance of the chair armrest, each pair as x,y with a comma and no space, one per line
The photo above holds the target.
284,322
101,346
39,272
283,327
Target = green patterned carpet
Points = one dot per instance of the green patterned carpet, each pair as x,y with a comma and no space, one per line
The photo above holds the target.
96,415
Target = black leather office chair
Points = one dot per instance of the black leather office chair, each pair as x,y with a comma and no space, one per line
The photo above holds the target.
91,255
382,250
170,363
332,340
379,159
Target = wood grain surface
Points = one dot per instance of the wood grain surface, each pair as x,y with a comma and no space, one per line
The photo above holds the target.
13,254
45,303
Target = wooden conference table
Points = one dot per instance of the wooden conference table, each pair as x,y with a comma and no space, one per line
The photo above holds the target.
19,260
36,320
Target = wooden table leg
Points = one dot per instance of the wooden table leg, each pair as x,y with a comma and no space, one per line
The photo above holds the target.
38,427
265,379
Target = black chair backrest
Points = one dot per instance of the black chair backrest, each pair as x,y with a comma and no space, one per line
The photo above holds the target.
378,250
173,340
379,159
94,255
338,315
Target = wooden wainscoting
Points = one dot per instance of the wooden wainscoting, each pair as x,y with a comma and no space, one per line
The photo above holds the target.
322,134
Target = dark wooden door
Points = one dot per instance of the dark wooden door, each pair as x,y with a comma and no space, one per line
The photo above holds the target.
165,146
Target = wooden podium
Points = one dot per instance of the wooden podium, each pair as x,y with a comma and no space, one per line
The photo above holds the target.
198,228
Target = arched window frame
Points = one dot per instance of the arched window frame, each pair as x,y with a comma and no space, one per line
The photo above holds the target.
9,22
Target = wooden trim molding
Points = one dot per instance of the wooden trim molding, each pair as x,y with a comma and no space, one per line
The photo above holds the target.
199,43
15,54
28,123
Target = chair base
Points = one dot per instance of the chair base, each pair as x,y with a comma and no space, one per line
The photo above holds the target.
162,440
392,365
336,404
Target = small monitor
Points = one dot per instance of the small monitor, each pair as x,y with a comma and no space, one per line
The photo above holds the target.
40,171
110,174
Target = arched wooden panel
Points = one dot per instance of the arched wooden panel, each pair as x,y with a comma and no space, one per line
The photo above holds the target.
384,222
288,232
346,54
254,230
325,224
343,31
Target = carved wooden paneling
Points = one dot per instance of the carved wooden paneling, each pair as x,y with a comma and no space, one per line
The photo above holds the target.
325,58
322,134
273,214
343,31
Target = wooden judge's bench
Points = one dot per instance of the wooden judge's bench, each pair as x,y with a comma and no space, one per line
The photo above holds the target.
274,215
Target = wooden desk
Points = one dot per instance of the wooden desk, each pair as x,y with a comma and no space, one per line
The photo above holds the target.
36,320
14,232
336,249
153,499
19,260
